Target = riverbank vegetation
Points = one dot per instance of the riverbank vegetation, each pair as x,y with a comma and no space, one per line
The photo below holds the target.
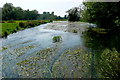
102,58
105,53
73,14
103,40
57,39
15,19
9,27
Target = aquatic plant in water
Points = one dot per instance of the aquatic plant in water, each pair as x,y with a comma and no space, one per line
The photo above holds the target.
57,39
75,31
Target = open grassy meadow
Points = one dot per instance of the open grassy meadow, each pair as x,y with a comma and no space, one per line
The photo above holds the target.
9,27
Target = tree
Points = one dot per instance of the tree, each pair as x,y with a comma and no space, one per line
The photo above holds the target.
65,17
73,14
52,13
18,13
47,16
7,11
0,13
104,14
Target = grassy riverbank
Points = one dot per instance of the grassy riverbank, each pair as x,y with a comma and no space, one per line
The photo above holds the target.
9,27
104,52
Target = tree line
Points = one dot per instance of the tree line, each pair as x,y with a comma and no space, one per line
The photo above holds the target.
10,12
104,14
74,14
104,39
49,16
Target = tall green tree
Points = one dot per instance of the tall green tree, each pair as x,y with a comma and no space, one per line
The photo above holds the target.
18,13
73,14
47,16
104,14
7,11
0,13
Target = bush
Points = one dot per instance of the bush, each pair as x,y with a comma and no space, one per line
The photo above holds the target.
8,28
50,20
57,39
2,22
31,24
21,24
5,34
11,21
109,64
75,31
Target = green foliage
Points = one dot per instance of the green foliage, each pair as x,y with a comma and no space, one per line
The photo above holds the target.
10,21
47,16
9,12
31,23
75,31
0,14
57,39
106,47
50,16
104,14
9,27
4,48
104,42
73,14
21,24
109,64
100,38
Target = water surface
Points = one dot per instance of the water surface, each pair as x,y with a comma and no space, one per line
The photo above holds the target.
32,53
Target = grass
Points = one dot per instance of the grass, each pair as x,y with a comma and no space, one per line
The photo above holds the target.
106,49
57,39
60,19
109,64
9,27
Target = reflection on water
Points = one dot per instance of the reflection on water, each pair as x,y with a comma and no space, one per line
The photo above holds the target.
32,53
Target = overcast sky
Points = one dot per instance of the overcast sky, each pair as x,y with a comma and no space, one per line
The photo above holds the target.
58,6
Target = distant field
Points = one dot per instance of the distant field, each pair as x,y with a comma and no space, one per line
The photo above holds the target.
9,27
18,21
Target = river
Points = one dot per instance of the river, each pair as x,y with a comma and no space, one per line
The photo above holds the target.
31,53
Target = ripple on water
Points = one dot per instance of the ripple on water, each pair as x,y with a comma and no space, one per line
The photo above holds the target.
31,52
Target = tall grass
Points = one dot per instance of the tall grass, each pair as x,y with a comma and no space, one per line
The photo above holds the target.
9,27
105,47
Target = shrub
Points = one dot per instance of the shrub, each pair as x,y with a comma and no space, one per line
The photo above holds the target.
17,28
109,64
22,24
11,21
75,31
2,22
57,39
31,24
5,34
51,21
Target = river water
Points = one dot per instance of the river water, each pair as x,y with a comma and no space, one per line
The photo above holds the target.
31,53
